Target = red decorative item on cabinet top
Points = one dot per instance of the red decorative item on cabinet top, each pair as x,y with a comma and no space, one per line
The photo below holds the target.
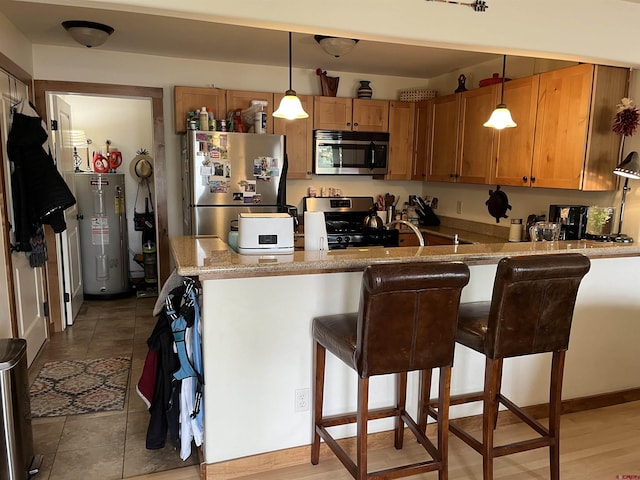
492,81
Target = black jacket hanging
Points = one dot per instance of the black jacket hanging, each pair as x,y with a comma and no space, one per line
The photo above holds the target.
40,194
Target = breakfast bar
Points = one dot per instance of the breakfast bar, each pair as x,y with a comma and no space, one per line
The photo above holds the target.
257,345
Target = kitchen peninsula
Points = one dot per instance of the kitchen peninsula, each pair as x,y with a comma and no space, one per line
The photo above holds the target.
257,344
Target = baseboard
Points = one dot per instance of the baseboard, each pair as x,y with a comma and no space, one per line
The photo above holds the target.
241,467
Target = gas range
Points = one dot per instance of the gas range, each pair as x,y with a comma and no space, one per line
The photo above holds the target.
344,219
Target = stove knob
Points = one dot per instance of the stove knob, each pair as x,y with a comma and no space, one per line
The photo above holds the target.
339,239
347,240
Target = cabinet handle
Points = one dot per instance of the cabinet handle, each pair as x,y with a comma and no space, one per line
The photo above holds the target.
451,175
355,124
533,179
348,124
524,179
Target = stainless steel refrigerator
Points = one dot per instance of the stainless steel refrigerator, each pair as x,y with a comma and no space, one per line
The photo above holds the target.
225,174
103,233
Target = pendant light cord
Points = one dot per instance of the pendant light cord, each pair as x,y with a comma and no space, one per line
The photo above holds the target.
291,61
504,66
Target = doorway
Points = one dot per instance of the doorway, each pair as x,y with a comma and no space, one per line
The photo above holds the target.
44,87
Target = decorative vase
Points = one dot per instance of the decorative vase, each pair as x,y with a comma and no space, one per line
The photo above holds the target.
364,91
329,85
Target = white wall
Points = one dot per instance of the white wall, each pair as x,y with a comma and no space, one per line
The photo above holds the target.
126,122
15,45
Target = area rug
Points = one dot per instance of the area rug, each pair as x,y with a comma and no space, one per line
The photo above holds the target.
73,387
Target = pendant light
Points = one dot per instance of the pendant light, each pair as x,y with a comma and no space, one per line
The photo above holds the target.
501,116
290,106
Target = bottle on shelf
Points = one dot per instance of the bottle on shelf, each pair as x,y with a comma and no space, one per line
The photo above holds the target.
204,119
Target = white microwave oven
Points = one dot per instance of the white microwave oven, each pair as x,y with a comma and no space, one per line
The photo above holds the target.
339,152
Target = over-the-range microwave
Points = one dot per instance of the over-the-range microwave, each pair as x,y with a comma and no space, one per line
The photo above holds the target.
339,152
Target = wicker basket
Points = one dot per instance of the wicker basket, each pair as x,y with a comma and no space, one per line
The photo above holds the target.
416,94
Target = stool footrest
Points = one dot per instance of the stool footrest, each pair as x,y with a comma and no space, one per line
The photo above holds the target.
518,412
351,417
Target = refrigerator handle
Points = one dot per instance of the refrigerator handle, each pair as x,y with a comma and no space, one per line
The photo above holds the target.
282,186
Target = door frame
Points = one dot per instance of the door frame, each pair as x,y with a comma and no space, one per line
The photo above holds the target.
43,87
14,69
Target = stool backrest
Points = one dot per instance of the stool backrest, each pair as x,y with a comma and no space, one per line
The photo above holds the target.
408,316
532,304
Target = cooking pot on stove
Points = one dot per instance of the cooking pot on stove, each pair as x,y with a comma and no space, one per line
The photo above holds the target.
373,220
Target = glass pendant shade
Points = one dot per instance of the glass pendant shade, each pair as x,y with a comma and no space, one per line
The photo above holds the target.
290,107
500,118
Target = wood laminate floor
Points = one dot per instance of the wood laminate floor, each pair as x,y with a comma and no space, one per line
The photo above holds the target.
599,444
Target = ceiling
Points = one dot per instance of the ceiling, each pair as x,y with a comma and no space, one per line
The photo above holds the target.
184,38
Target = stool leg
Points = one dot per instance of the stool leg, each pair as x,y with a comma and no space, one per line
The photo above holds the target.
490,409
362,419
318,367
444,397
555,405
498,388
424,395
401,405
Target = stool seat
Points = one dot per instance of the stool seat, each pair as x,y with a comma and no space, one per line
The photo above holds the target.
406,321
530,312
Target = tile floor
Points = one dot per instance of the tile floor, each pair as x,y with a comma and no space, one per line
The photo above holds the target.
107,445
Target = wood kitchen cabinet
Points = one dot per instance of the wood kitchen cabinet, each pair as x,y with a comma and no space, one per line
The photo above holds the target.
461,147
401,129
443,151
242,99
191,99
574,145
340,113
514,146
299,138
422,139
475,141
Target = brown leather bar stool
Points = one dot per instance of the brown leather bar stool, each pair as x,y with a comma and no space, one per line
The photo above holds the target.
530,312
406,321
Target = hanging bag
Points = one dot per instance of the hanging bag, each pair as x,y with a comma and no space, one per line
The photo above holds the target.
139,218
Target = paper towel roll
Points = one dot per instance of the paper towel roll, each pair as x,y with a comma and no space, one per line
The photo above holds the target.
315,231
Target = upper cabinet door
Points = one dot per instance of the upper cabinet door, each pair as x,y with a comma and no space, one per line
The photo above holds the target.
242,99
191,99
422,135
444,139
514,146
332,113
370,115
475,150
401,118
564,101
299,141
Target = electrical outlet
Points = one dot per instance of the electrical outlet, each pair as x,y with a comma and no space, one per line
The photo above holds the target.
459,207
301,400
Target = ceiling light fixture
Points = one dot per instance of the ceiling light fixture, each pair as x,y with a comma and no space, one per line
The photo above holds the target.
336,46
89,34
290,106
501,116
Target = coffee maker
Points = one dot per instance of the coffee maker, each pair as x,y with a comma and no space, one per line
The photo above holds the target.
573,220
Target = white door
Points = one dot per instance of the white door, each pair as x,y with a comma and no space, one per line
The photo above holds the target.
67,242
28,282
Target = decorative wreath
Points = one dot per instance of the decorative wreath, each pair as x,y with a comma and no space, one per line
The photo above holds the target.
626,119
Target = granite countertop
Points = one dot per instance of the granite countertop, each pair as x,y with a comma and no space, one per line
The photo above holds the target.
210,257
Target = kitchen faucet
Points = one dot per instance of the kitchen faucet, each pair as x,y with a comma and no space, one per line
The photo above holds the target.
411,226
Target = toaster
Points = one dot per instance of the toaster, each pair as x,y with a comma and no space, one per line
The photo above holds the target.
264,233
